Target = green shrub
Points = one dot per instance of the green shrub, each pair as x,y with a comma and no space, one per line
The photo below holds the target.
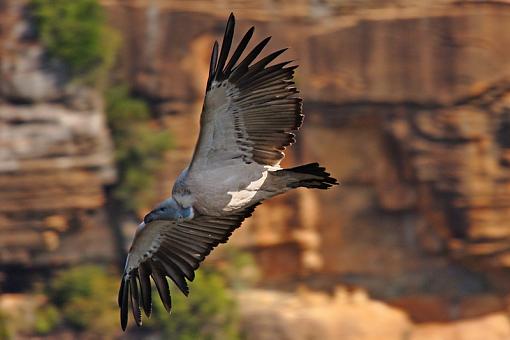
209,313
85,297
46,319
139,147
238,267
5,332
123,110
75,32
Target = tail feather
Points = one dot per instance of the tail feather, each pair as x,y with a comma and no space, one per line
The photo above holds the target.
311,175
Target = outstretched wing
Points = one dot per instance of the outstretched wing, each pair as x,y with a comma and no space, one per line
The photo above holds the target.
174,249
251,110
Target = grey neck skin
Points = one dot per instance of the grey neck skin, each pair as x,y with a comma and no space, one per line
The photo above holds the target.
169,210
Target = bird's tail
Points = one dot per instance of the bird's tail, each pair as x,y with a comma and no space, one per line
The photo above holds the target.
310,175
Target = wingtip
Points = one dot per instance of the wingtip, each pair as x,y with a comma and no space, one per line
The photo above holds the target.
124,306
121,291
162,286
145,289
212,66
135,300
264,43
123,323
249,33
231,22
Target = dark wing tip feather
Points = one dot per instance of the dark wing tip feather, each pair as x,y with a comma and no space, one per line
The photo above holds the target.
260,65
239,50
225,47
135,300
217,69
124,304
212,65
177,276
121,291
145,288
159,278
174,272
243,66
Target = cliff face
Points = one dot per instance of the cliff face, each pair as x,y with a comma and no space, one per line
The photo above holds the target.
407,104
55,157
408,107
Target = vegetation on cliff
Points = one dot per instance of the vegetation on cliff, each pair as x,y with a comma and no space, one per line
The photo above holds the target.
5,333
47,318
139,147
83,299
208,313
75,33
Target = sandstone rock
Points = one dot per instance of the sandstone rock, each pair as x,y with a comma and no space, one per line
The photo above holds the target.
28,77
408,107
270,315
480,305
26,74
406,104
55,159
21,309
351,315
425,308
493,327
53,166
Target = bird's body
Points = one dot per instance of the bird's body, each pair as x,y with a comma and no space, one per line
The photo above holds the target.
225,189
251,111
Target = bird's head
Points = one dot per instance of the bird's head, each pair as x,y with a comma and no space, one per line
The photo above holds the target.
169,210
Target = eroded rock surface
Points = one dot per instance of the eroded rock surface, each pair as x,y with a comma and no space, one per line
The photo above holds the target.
351,315
55,159
406,104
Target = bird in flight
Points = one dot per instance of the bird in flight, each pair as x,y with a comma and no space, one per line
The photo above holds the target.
250,114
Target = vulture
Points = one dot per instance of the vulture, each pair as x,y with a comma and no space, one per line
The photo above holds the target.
250,115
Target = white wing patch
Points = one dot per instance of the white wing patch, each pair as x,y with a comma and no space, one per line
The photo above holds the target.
243,197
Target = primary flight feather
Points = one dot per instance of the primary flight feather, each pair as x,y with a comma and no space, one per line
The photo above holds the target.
250,114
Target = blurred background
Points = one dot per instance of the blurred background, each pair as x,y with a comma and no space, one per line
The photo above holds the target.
407,102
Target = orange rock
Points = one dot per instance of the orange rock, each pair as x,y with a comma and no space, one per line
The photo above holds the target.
490,327
424,308
480,305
